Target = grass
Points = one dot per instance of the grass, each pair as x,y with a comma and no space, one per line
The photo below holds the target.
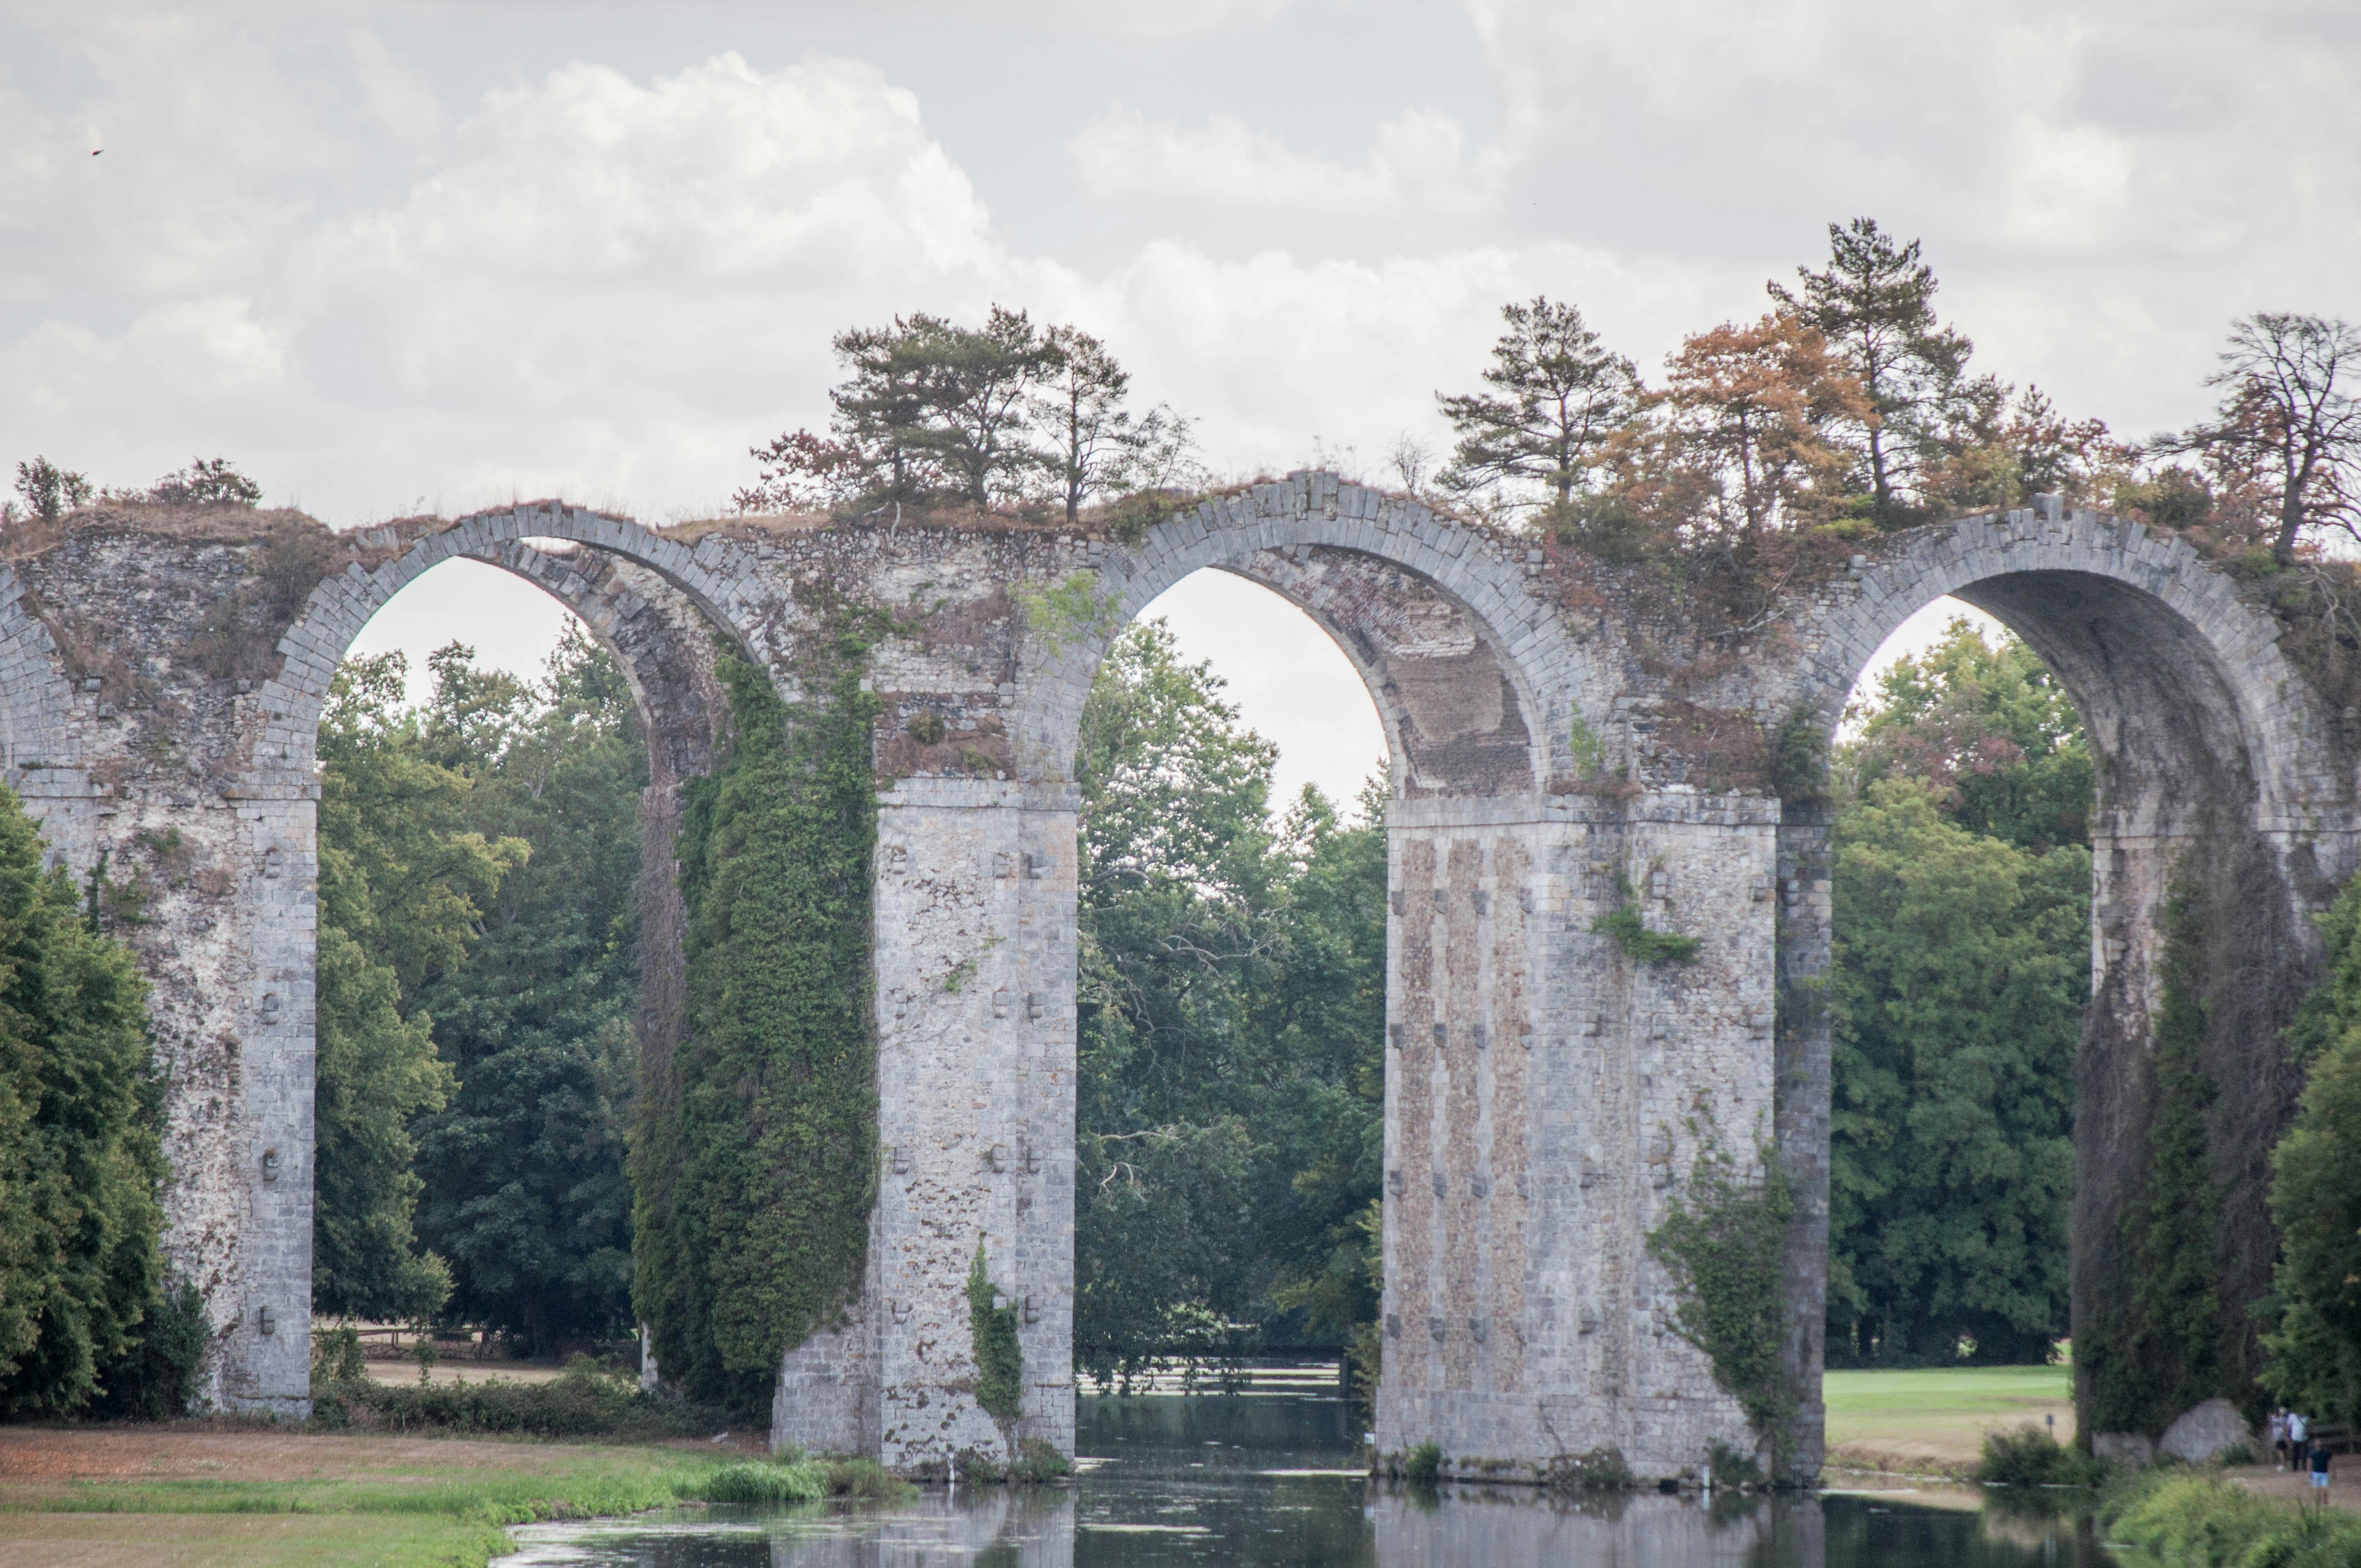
409,1512
2205,1521
1935,1419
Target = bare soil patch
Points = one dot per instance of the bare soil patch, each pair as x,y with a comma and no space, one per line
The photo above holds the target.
48,1458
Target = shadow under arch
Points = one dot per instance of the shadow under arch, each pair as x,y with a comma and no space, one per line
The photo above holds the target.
2219,822
654,604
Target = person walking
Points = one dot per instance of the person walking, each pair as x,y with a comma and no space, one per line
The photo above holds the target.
2319,1473
2278,1438
2299,1439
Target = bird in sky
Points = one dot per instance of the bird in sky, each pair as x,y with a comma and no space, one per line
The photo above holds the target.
96,150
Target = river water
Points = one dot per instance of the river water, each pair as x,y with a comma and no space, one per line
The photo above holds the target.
1275,1480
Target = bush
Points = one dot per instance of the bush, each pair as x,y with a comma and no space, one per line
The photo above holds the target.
2030,1457
1423,1464
2211,1523
865,1478
585,1402
783,1480
1600,1470
158,1380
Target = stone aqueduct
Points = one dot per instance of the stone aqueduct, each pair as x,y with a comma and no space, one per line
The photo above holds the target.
1546,764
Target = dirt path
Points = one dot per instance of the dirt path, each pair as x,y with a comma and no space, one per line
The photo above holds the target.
47,1457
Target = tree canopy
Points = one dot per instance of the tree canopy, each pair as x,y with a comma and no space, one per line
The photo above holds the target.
81,1164
1960,969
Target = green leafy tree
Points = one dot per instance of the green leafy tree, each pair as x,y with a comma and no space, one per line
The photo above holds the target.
1961,966
405,879
79,1163
1559,405
1874,304
2314,1349
1232,1029
525,1194
1991,729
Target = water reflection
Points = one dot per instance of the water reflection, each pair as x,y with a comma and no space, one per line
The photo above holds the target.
1272,1481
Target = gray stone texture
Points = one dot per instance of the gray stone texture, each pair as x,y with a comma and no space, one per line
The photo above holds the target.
1560,742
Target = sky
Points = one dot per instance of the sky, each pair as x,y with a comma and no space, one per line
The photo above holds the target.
404,257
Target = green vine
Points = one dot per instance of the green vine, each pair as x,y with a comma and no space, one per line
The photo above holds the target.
1724,1239
999,1358
1638,939
1588,751
1067,609
755,1151
2161,1352
1799,758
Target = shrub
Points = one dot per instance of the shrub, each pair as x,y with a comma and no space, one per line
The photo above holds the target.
1732,1466
783,1480
158,1380
999,1358
865,1478
1600,1470
2207,1522
1632,934
585,1402
2030,1457
1423,1464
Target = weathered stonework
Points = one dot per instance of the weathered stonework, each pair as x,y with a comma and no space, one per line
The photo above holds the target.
1545,1093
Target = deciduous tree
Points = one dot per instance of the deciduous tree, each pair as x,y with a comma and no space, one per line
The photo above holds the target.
80,1160
405,880
1757,413
2290,421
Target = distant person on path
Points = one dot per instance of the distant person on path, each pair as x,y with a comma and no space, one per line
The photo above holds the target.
2320,1471
2278,1439
2298,1437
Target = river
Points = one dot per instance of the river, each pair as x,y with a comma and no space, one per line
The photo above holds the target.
1168,1480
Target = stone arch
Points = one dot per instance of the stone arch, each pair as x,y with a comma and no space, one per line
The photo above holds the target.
716,575
649,600
2215,762
1475,683
2107,603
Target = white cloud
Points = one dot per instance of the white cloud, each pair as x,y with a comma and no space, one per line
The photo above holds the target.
399,97
1417,156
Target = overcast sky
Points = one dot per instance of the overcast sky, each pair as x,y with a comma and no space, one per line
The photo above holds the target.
394,258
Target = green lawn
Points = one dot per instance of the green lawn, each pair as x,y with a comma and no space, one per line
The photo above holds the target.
1936,1419
423,1510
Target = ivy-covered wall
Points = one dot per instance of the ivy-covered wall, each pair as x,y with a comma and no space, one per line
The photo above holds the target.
2176,1244
755,1158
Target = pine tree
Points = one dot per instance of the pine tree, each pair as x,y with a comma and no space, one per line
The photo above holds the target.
1560,404
1875,305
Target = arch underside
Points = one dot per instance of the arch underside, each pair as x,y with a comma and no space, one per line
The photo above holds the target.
1454,720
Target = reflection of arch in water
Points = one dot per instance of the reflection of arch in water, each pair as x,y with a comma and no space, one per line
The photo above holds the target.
654,604
2211,752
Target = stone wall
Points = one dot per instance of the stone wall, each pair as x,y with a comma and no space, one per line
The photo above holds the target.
1553,745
